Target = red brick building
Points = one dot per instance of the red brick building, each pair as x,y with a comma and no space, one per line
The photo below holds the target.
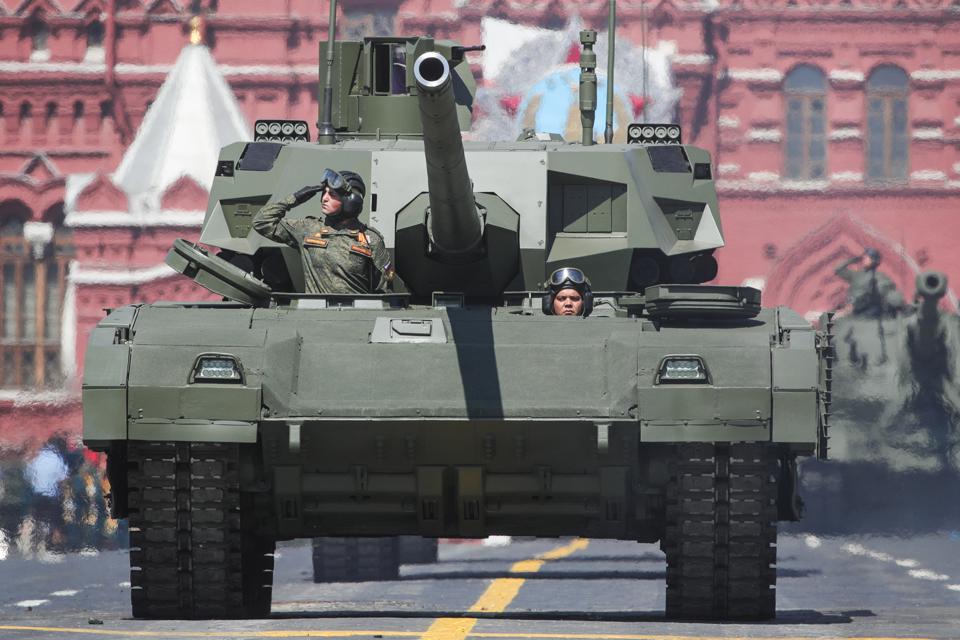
834,126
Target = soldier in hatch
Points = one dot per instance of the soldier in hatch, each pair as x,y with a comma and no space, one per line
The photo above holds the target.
568,293
340,254
871,294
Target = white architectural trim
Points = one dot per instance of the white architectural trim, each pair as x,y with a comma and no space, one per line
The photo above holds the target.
37,232
928,133
764,135
51,67
87,275
166,218
847,176
126,68
804,185
928,175
267,69
39,235
846,133
755,75
757,282
692,59
728,122
728,168
846,75
746,185
28,397
935,75
956,167
952,184
769,182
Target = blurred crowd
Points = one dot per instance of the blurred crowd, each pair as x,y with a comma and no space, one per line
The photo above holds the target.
53,501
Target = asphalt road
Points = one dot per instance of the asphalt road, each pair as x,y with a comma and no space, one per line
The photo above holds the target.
833,587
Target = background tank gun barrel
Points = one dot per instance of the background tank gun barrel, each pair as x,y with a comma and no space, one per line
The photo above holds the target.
931,286
926,338
454,223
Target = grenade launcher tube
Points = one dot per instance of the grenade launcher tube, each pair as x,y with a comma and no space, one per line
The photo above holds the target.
454,223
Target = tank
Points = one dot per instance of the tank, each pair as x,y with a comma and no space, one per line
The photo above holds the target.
452,406
895,437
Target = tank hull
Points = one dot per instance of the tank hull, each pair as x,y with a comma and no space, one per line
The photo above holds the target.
493,421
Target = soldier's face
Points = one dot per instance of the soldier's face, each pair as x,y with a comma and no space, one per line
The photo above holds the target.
331,203
568,302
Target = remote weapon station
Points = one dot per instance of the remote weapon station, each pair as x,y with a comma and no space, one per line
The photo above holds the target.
452,406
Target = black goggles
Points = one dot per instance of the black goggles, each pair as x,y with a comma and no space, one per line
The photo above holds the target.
567,275
336,182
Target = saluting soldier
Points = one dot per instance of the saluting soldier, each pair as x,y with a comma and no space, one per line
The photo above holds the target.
340,254
871,293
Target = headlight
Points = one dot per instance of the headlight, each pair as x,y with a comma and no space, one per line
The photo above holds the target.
682,370
217,368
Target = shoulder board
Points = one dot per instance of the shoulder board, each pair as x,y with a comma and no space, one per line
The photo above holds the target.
362,250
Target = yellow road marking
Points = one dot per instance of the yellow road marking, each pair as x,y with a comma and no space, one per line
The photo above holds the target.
455,627
498,595
564,551
527,566
450,629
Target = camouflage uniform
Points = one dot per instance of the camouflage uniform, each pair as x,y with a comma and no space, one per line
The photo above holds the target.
349,257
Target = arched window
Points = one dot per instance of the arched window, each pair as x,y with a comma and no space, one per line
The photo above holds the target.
887,140
33,265
50,114
39,33
26,112
95,32
805,96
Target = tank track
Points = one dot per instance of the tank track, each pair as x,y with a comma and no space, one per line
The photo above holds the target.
192,555
356,559
721,532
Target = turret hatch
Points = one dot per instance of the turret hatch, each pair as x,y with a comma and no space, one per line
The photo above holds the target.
216,274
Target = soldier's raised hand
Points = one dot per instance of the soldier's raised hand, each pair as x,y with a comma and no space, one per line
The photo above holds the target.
306,193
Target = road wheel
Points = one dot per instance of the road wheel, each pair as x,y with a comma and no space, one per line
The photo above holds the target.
192,553
418,550
356,559
721,532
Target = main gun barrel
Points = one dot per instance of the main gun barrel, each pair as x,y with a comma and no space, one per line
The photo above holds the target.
454,223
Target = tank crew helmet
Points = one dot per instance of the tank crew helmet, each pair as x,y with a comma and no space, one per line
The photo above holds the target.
349,187
874,256
567,278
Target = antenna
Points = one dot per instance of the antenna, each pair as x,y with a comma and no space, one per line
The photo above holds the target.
588,85
611,41
327,134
